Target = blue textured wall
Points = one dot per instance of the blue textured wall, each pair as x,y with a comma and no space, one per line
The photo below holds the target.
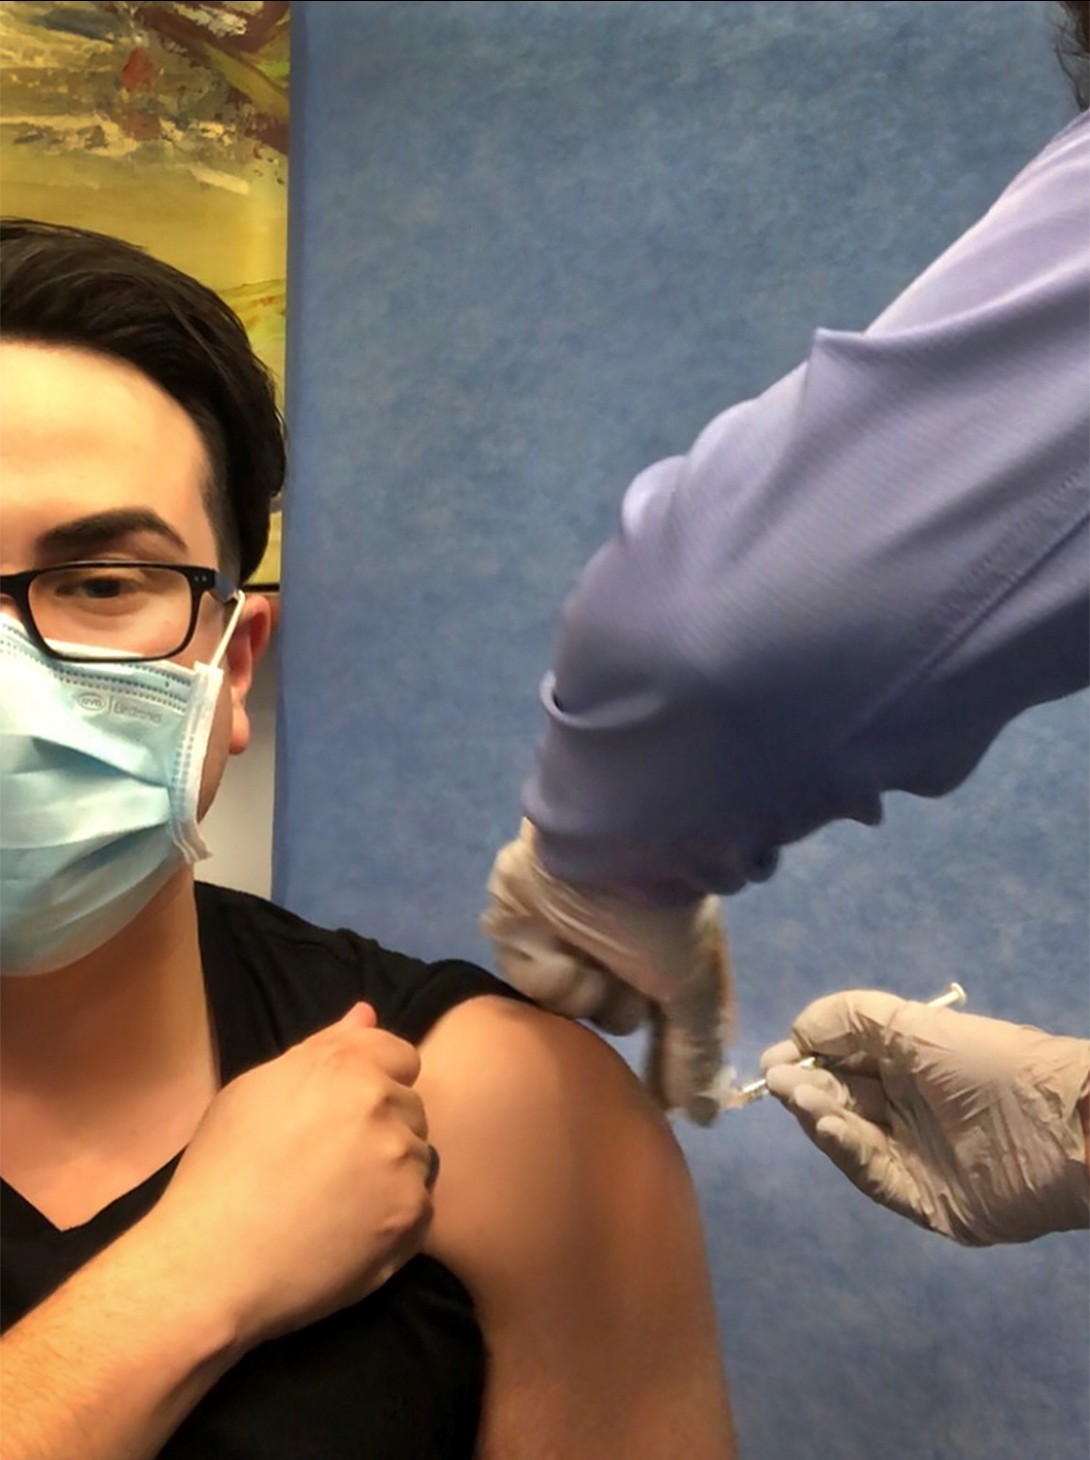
534,247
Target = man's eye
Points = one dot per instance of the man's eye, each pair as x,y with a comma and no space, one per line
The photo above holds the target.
103,587
97,586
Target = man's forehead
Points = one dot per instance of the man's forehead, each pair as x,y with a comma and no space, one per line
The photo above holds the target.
46,381
91,448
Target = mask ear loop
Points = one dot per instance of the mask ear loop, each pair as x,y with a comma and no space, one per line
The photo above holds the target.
208,678
232,625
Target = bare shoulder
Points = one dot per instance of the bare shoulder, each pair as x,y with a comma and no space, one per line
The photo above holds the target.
541,1063
565,1206
525,1100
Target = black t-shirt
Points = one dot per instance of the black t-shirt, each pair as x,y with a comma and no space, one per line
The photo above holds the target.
396,1377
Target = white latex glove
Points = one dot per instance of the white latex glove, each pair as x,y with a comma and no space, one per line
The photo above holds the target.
969,1126
594,955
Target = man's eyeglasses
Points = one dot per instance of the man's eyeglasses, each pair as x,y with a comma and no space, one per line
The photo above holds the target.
101,611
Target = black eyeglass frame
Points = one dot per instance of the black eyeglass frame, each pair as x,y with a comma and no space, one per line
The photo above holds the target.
16,586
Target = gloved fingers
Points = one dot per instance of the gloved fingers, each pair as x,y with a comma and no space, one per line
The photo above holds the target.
561,978
868,1157
535,963
822,1107
713,955
818,1092
507,886
593,954
622,1009
652,948
786,1052
700,1022
861,1151
590,920
685,1058
851,1026
866,1097
658,950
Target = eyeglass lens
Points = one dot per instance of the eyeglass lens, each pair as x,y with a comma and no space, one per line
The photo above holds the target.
125,608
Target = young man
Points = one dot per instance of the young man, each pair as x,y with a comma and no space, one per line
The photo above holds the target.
223,1232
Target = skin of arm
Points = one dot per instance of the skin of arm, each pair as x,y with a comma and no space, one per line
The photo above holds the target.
565,1206
132,1347
107,1367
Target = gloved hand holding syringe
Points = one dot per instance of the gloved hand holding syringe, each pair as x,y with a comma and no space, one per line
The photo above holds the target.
732,1096
975,1128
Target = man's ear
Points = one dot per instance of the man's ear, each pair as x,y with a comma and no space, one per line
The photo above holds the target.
246,646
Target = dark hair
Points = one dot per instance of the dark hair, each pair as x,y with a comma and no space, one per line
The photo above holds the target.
1073,47
70,286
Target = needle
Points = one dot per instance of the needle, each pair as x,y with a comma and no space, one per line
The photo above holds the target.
733,1097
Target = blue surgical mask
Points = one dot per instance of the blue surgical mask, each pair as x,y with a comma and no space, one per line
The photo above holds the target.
100,774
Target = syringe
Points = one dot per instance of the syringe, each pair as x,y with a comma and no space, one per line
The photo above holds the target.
733,1097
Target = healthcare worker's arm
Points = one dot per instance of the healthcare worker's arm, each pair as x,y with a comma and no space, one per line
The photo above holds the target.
975,1128
848,586
565,1206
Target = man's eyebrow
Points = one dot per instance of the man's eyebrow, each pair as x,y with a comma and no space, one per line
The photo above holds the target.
101,531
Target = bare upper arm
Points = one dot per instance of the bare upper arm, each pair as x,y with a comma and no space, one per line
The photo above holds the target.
565,1206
